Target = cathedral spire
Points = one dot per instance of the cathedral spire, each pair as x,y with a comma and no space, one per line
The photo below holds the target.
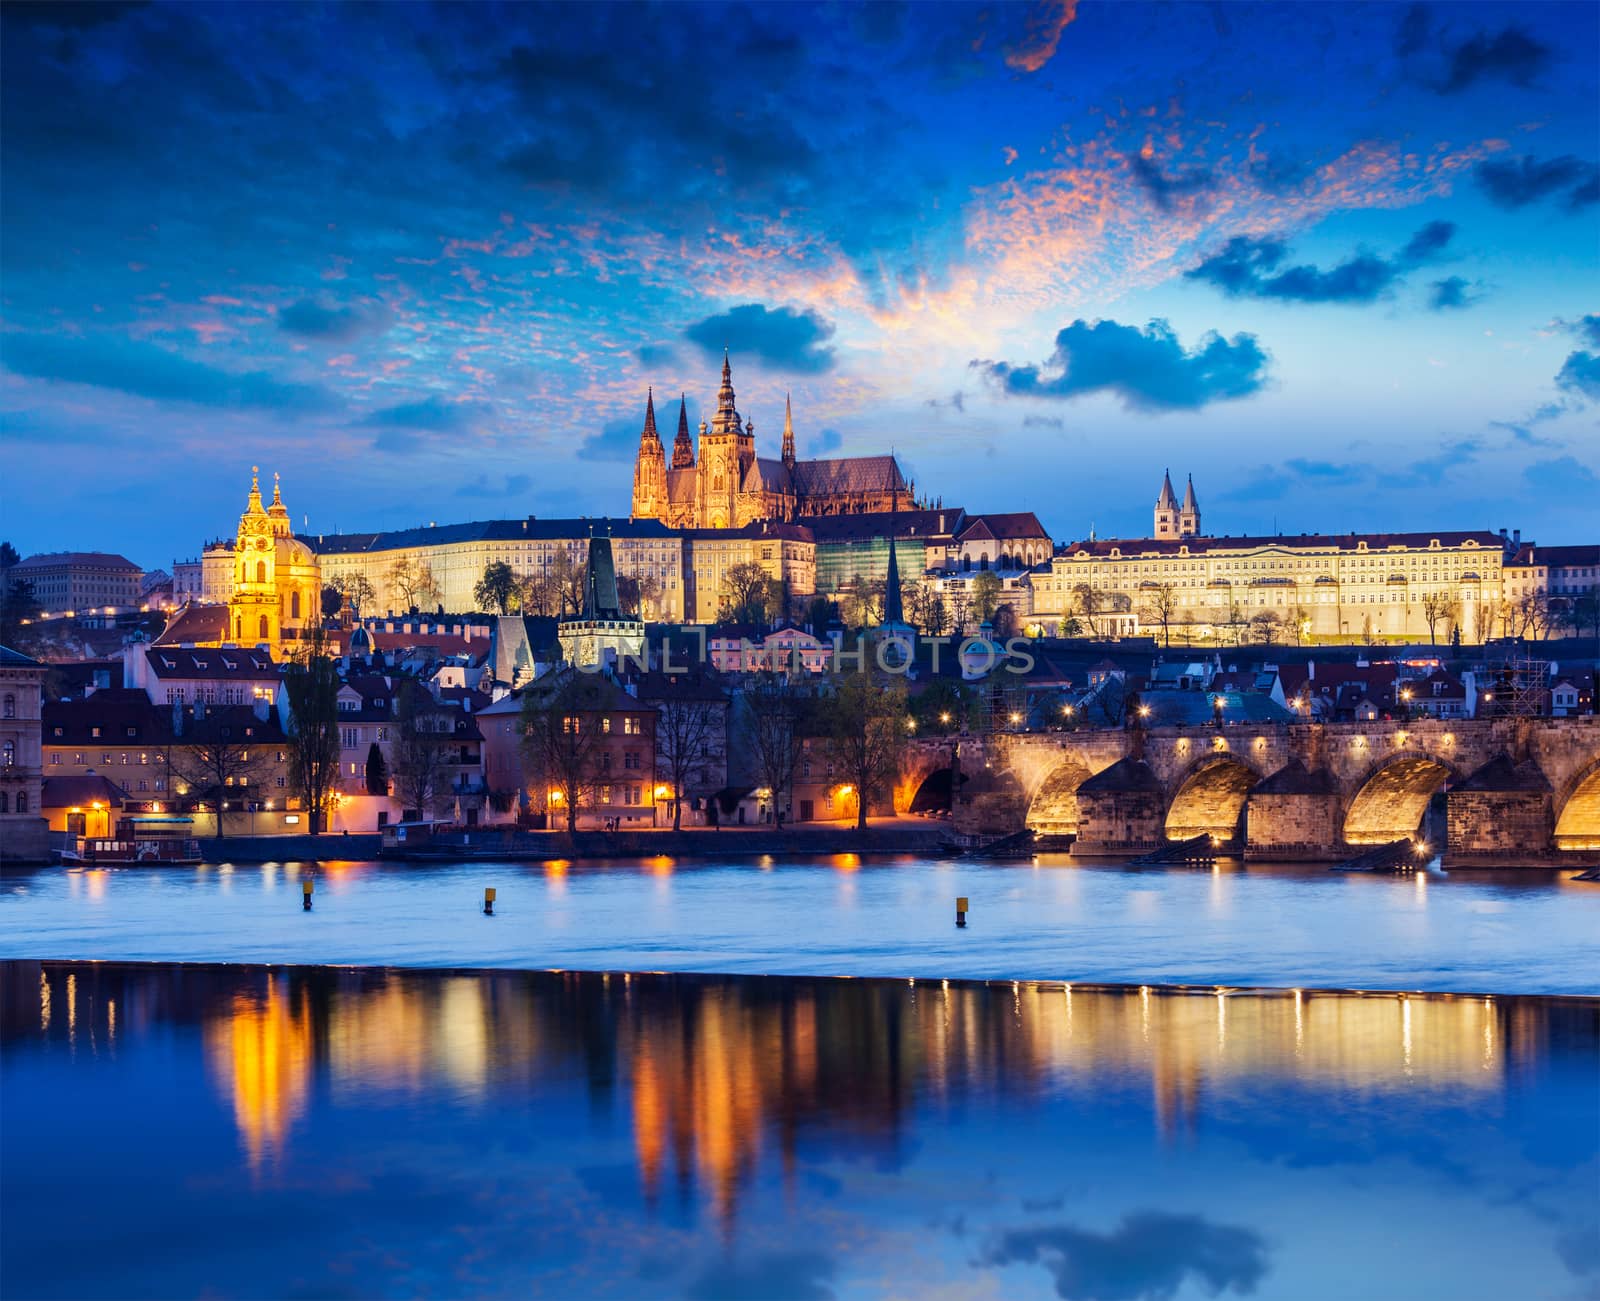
727,419
1168,500
788,432
1190,505
254,505
683,445
649,435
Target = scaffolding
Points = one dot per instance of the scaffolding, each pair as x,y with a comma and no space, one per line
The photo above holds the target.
1519,687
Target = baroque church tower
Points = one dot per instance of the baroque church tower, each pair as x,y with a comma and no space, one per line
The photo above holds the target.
727,450
254,608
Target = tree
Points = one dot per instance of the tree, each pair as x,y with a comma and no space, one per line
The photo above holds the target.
818,615
770,722
639,595
935,614
562,737
1488,616
1160,608
412,583
1086,605
1264,625
1003,623
311,683
332,600
866,728
215,754
565,582
960,609
1583,611
357,591
423,735
985,595
18,607
539,595
8,556
377,771
1299,622
688,717
498,590
1533,614
944,706
1439,607
744,593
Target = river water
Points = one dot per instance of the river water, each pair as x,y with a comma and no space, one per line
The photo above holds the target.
1505,933
235,1131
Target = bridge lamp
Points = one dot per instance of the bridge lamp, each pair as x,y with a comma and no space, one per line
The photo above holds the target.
911,725
1144,711
945,717
1016,718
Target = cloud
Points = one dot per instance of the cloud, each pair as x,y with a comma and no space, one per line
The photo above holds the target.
957,401
1412,34
403,424
310,319
145,371
1451,293
1043,422
657,354
1586,328
1149,1255
1045,23
1167,191
512,486
1517,182
1580,374
1247,267
792,1275
780,338
619,440
1148,369
1563,477
1509,55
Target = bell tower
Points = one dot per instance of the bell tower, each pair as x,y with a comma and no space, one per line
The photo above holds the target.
253,611
727,448
650,468
1166,514
1189,516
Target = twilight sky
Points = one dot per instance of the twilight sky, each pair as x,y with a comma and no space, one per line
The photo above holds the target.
1341,262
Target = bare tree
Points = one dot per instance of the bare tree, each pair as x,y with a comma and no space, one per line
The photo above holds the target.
218,754
866,728
746,588
1300,619
311,681
1264,626
356,590
424,733
1439,607
689,715
1160,608
1086,605
562,737
413,583
771,726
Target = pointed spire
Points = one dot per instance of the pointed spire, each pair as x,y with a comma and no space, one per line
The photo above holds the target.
1190,505
1168,500
788,432
649,435
683,445
727,418
254,505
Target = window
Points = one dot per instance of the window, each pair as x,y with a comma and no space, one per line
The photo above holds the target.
11,706
633,726
9,755
94,731
55,758
605,724
5,803
22,801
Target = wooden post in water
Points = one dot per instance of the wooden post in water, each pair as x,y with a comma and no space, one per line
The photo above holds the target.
488,901
961,910
305,893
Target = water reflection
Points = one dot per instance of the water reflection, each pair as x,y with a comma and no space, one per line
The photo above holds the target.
717,1084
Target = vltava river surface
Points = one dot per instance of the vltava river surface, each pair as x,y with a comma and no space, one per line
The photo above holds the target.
241,1131
1507,933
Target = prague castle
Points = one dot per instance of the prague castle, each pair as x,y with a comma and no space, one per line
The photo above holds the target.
724,484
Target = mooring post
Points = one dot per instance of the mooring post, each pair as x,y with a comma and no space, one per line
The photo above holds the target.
488,901
305,894
961,910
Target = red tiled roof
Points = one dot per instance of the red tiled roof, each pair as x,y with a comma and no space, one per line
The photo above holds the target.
195,623
1007,525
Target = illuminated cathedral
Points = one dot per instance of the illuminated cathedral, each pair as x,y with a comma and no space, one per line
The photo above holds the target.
722,483
277,581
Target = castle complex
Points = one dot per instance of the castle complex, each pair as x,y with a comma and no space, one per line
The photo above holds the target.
724,484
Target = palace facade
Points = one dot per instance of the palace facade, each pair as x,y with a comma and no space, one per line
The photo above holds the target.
723,483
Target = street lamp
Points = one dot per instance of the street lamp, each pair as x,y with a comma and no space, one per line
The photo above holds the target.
1216,711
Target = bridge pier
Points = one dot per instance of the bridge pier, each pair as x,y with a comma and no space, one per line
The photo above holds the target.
1121,810
1293,816
1502,813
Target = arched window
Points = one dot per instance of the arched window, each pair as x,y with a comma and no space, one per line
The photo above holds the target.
5,803
294,606
263,633
261,571
238,626
11,706
22,801
8,755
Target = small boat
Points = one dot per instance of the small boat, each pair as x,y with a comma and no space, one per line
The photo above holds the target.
152,840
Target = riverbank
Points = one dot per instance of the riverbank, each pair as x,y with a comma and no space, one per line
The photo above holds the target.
890,837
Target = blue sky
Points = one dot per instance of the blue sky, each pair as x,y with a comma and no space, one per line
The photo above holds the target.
1337,261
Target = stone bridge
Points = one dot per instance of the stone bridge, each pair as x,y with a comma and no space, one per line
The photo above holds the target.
1523,790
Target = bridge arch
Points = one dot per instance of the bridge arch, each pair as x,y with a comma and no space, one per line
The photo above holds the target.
1578,811
933,793
1053,810
1390,801
1210,798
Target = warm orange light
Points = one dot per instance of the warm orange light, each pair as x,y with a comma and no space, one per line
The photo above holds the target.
847,790
1144,711
944,717
663,791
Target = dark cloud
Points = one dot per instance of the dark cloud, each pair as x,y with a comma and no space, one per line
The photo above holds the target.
1509,55
79,16
1165,190
619,440
773,1276
1245,267
781,338
1517,182
657,354
1148,369
1412,34
432,414
1452,293
957,401
1043,422
145,371
310,319
1587,328
1564,478
1149,1255
1580,374
514,485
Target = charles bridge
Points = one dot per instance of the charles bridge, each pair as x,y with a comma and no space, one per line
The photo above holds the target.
1510,790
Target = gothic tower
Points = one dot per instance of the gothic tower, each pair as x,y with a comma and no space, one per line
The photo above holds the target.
788,433
682,446
1167,509
726,452
650,468
254,607
1189,517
